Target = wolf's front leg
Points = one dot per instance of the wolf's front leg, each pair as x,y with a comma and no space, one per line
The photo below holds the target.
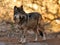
36,38
44,36
24,36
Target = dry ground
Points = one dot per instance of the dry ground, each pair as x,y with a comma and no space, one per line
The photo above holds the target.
10,35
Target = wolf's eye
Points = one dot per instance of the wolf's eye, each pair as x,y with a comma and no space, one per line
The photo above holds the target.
20,17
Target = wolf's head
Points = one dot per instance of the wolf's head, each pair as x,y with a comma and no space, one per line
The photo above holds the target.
19,14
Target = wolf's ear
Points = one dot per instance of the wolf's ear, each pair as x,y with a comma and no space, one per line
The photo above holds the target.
21,7
15,8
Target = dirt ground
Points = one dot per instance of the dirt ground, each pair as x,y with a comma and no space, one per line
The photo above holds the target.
10,35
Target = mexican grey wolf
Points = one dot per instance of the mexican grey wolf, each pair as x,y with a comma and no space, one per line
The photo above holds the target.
27,21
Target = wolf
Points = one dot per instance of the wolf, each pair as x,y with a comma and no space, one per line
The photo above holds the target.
28,21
